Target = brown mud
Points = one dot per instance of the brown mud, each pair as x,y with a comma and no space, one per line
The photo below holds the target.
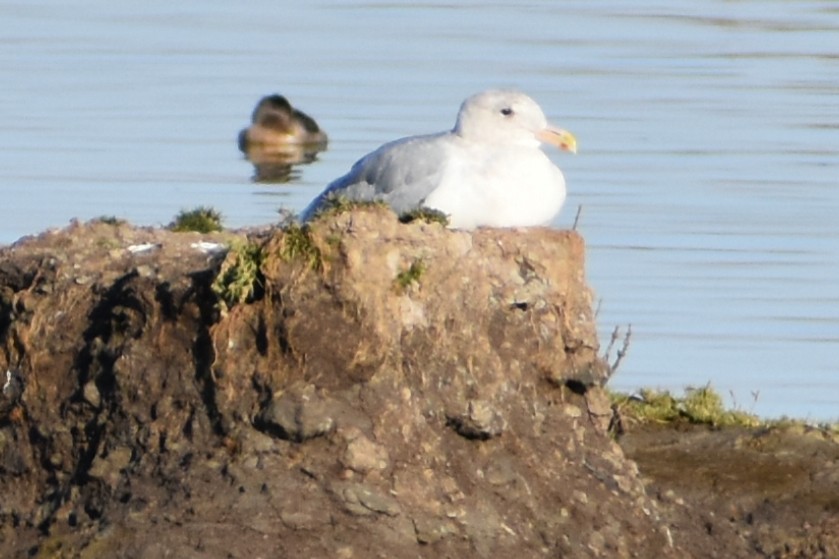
382,390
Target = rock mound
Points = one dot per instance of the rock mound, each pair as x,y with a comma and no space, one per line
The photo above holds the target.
379,390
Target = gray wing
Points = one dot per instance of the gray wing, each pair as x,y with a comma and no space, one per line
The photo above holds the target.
401,173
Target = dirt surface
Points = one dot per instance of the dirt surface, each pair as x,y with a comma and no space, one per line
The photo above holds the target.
386,390
769,492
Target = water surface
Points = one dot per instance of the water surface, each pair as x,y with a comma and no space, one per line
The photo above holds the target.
709,145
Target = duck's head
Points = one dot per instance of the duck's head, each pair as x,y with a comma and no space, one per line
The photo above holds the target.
275,124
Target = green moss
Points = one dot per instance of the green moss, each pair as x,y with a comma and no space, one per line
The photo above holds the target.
240,275
410,276
335,204
334,241
109,220
108,243
704,406
297,244
201,219
425,214
826,427
698,406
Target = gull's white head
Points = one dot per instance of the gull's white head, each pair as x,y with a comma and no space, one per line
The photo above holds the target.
508,117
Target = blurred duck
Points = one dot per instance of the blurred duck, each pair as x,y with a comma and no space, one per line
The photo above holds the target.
276,125
279,138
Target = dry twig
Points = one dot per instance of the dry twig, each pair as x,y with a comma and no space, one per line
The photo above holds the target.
620,353
577,217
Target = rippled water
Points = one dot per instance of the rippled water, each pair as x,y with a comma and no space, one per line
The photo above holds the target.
708,169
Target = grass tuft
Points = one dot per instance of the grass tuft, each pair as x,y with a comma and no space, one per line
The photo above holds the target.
110,220
201,219
427,215
702,406
241,274
297,244
412,275
335,204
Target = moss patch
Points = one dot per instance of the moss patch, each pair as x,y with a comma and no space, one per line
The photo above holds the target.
240,276
410,276
297,244
425,214
335,204
701,405
109,220
201,219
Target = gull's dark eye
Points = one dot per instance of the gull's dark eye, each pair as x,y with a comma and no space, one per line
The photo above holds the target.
506,111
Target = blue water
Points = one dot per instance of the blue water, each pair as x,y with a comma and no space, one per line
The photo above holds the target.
708,169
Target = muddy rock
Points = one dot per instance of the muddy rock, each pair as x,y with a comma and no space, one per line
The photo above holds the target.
383,390
765,492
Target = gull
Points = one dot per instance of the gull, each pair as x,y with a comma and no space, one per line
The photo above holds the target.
487,171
